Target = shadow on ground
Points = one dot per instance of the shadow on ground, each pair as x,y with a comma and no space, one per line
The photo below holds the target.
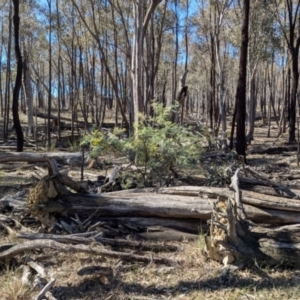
94,288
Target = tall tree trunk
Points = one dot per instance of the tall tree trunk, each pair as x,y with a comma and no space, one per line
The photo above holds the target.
252,106
8,78
174,71
212,86
295,80
18,83
141,21
28,94
241,88
50,78
293,43
60,65
186,103
221,94
283,105
1,51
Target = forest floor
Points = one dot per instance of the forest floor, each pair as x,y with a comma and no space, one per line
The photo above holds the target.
194,278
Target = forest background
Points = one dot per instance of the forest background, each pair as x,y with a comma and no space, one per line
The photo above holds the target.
89,57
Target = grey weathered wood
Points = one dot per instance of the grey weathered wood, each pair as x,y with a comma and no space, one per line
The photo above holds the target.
168,206
118,243
139,205
33,157
248,197
232,238
95,250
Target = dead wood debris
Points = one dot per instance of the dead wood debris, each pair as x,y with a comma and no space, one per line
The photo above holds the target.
229,225
234,239
75,233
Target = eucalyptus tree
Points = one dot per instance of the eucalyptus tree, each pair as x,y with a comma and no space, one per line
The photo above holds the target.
293,42
1,54
28,33
242,83
93,11
141,17
50,75
7,90
18,82
263,43
152,58
286,13
60,79
221,8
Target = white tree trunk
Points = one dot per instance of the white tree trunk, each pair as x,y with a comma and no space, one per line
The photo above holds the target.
222,109
141,20
29,95
136,59
251,105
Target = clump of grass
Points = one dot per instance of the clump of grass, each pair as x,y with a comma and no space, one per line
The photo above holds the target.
12,288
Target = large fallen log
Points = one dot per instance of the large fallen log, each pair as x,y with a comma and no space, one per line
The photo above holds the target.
158,206
33,157
50,196
259,207
252,198
138,205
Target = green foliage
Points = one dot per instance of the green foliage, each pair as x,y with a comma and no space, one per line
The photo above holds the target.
158,147
220,174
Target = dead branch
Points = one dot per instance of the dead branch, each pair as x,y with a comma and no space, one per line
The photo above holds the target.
96,250
35,266
117,243
46,289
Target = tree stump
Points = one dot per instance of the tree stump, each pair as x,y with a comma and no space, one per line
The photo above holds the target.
233,239
45,192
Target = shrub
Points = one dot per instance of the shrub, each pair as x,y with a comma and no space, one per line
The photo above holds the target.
158,147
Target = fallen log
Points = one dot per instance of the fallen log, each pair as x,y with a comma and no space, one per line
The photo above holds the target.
138,205
95,250
32,157
274,150
260,200
233,239
158,206
115,243
80,123
50,196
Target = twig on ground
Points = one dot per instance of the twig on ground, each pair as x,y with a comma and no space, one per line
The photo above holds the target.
45,290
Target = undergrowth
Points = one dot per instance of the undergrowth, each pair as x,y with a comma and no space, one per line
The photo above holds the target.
158,147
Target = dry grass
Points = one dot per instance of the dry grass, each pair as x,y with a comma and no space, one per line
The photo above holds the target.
194,278
11,287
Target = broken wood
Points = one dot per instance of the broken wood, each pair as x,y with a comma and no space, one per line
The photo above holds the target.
45,290
232,239
95,250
